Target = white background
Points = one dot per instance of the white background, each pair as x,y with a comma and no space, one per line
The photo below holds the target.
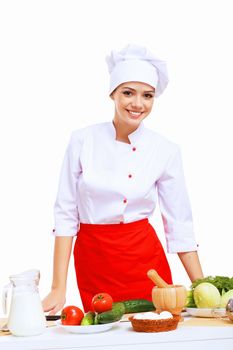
53,79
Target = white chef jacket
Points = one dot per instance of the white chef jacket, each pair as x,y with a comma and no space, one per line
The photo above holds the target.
105,181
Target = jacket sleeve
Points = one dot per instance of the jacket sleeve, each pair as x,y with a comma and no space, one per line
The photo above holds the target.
175,206
65,208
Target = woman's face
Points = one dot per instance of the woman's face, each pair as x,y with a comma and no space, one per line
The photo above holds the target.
133,103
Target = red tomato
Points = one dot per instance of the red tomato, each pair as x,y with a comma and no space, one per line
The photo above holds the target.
102,302
71,315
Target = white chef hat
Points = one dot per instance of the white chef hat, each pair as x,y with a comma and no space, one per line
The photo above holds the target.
137,63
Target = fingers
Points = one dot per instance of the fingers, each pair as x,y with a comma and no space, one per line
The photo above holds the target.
52,312
56,309
52,308
47,305
53,303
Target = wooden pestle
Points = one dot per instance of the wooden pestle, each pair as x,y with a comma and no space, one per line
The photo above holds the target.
154,276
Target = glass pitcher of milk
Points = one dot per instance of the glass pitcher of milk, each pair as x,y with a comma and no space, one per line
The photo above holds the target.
26,316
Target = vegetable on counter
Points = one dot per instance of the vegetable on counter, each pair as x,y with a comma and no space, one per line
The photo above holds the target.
104,310
71,315
138,305
113,315
206,295
102,302
88,319
124,307
202,295
224,284
190,299
226,297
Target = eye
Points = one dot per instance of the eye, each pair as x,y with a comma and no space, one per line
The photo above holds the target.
127,93
149,96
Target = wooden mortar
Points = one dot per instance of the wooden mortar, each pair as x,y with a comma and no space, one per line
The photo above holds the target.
167,297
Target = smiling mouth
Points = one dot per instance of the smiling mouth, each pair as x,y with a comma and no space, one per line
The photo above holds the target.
134,114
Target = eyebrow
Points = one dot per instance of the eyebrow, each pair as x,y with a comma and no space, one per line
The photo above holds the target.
127,87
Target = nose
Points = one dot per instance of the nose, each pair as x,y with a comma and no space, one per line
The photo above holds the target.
137,102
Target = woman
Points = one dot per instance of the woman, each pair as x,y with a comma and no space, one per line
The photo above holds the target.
110,180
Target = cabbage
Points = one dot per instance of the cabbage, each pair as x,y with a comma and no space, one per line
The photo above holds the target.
225,298
206,295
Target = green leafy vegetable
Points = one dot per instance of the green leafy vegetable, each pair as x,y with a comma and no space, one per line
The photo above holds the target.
219,282
222,283
190,299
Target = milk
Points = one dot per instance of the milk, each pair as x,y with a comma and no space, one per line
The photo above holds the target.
26,315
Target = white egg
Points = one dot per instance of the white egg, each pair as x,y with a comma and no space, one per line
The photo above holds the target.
165,315
147,316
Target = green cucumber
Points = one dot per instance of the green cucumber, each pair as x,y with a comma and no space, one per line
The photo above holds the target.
138,305
113,315
96,320
88,319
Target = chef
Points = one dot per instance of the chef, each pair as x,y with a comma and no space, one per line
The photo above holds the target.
113,176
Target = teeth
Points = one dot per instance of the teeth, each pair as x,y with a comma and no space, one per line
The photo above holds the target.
135,113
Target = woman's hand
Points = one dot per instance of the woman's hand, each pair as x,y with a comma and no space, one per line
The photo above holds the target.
54,302
56,299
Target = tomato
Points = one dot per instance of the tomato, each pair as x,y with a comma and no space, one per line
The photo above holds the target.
71,315
102,302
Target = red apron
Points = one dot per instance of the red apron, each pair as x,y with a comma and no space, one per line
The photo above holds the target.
115,258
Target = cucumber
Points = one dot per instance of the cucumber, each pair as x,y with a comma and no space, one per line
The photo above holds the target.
96,320
88,319
113,315
138,305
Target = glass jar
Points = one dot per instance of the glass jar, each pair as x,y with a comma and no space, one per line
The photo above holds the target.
26,316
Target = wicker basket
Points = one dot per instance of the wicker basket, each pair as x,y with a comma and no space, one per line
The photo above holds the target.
155,325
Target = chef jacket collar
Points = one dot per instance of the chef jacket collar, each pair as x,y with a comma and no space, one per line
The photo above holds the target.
135,136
